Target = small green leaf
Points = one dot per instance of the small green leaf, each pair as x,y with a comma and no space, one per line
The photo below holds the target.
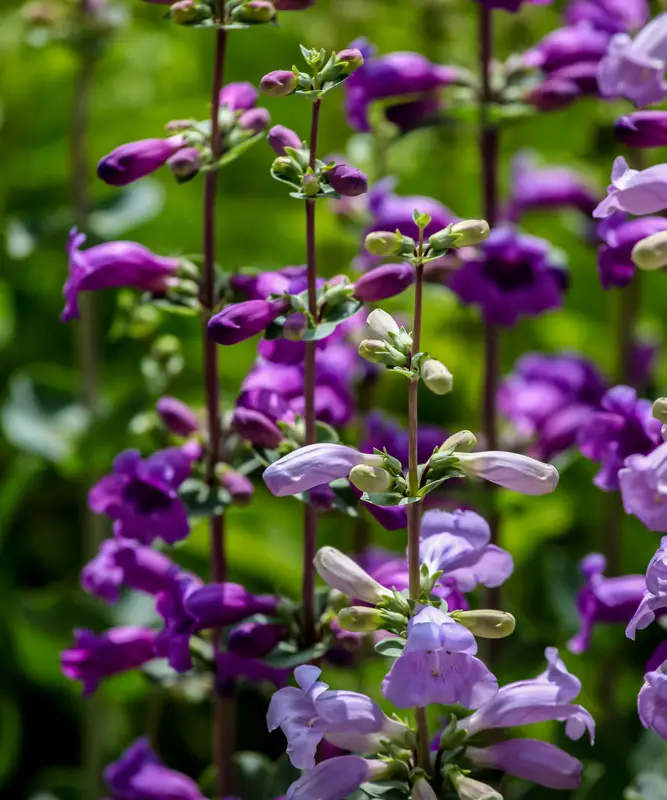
391,647
201,500
388,499
325,434
287,654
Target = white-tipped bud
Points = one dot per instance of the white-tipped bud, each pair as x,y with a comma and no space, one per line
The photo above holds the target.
651,253
487,623
463,441
379,352
436,376
510,470
360,619
422,790
470,232
370,479
660,409
380,325
342,573
470,789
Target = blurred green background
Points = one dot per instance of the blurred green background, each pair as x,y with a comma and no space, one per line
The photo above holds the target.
152,72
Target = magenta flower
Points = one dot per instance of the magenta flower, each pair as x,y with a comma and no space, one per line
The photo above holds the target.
141,496
280,137
135,160
173,641
336,778
615,265
438,666
217,605
513,275
623,427
603,600
643,484
241,321
124,562
652,701
654,599
635,191
613,16
565,46
532,760
642,129
140,775
239,96
635,68
110,266
384,282
346,180
177,416
97,656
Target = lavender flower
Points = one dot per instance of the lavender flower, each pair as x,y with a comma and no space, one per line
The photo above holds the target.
644,490
95,657
514,275
623,427
565,46
642,129
635,191
255,639
217,605
112,265
173,642
177,416
655,597
603,600
135,160
615,264
608,15
635,69
510,470
652,701
342,573
241,321
229,666
140,775
532,760
438,666
337,778
239,96
141,496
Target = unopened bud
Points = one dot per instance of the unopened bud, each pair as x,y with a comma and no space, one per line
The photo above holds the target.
254,11
239,486
470,789
651,253
660,409
350,60
386,243
295,326
187,12
422,790
185,163
470,232
436,376
255,120
341,572
284,168
370,479
347,181
360,619
281,137
463,441
487,623
177,416
381,325
278,83
378,352
310,184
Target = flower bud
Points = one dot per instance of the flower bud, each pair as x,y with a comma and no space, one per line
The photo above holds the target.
422,790
254,11
256,427
352,58
295,326
384,282
255,120
187,12
360,619
378,352
346,180
386,243
177,416
241,321
470,789
510,470
310,184
185,164
281,137
436,376
381,325
239,486
642,129
278,83
462,440
651,253
285,168
486,623
370,479
342,573
660,409
470,232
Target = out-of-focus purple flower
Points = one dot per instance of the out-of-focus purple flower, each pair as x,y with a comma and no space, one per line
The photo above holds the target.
642,129
336,778
97,656
603,600
531,759
512,276
290,280
613,16
255,639
140,775
623,427
549,397
407,78
615,265
652,701
643,484
173,642
238,485
239,96
280,137
536,187
141,496
256,427
384,282
230,666
216,605
135,160
553,93
438,666
185,163
547,697
124,562
177,416
109,266
255,120
635,68
635,191
241,321
654,599
512,5
347,180
570,45
292,5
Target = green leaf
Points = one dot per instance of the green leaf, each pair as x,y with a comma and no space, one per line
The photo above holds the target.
287,654
325,434
388,790
391,647
201,500
388,499
238,150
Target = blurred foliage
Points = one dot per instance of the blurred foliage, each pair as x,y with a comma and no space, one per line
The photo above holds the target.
49,448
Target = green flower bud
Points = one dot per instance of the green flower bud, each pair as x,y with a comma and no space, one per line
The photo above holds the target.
651,253
660,409
386,243
310,184
422,790
470,789
442,240
470,232
463,441
254,11
370,479
283,167
360,619
378,352
187,12
487,623
436,376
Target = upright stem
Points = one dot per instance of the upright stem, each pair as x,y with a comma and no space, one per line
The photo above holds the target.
224,715
310,514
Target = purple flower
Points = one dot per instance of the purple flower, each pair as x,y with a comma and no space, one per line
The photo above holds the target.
532,760
549,398
547,697
615,265
635,68
255,120
512,471
642,129
96,656
109,266
512,5
655,597
124,562
623,427
635,191
643,484
280,137
384,282
238,485
312,466
177,416
230,666
652,701
256,427
140,775
308,713
278,83
613,16
255,639
289,280
141,496
512,276
241,321
438,666
240,96
603,600
135,160
565,46
547,188
217,605
409,79
336,778
173,642
556,91
346,180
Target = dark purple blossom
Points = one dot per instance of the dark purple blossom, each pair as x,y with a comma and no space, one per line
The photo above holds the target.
97,656
238,485
255,639
384,282
241,321
347,181
230,666
511,5
642,129
514,275
177,416
256,427
620,235
173,641
613,16
216,605
565,46
135,160
336,778
112,265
